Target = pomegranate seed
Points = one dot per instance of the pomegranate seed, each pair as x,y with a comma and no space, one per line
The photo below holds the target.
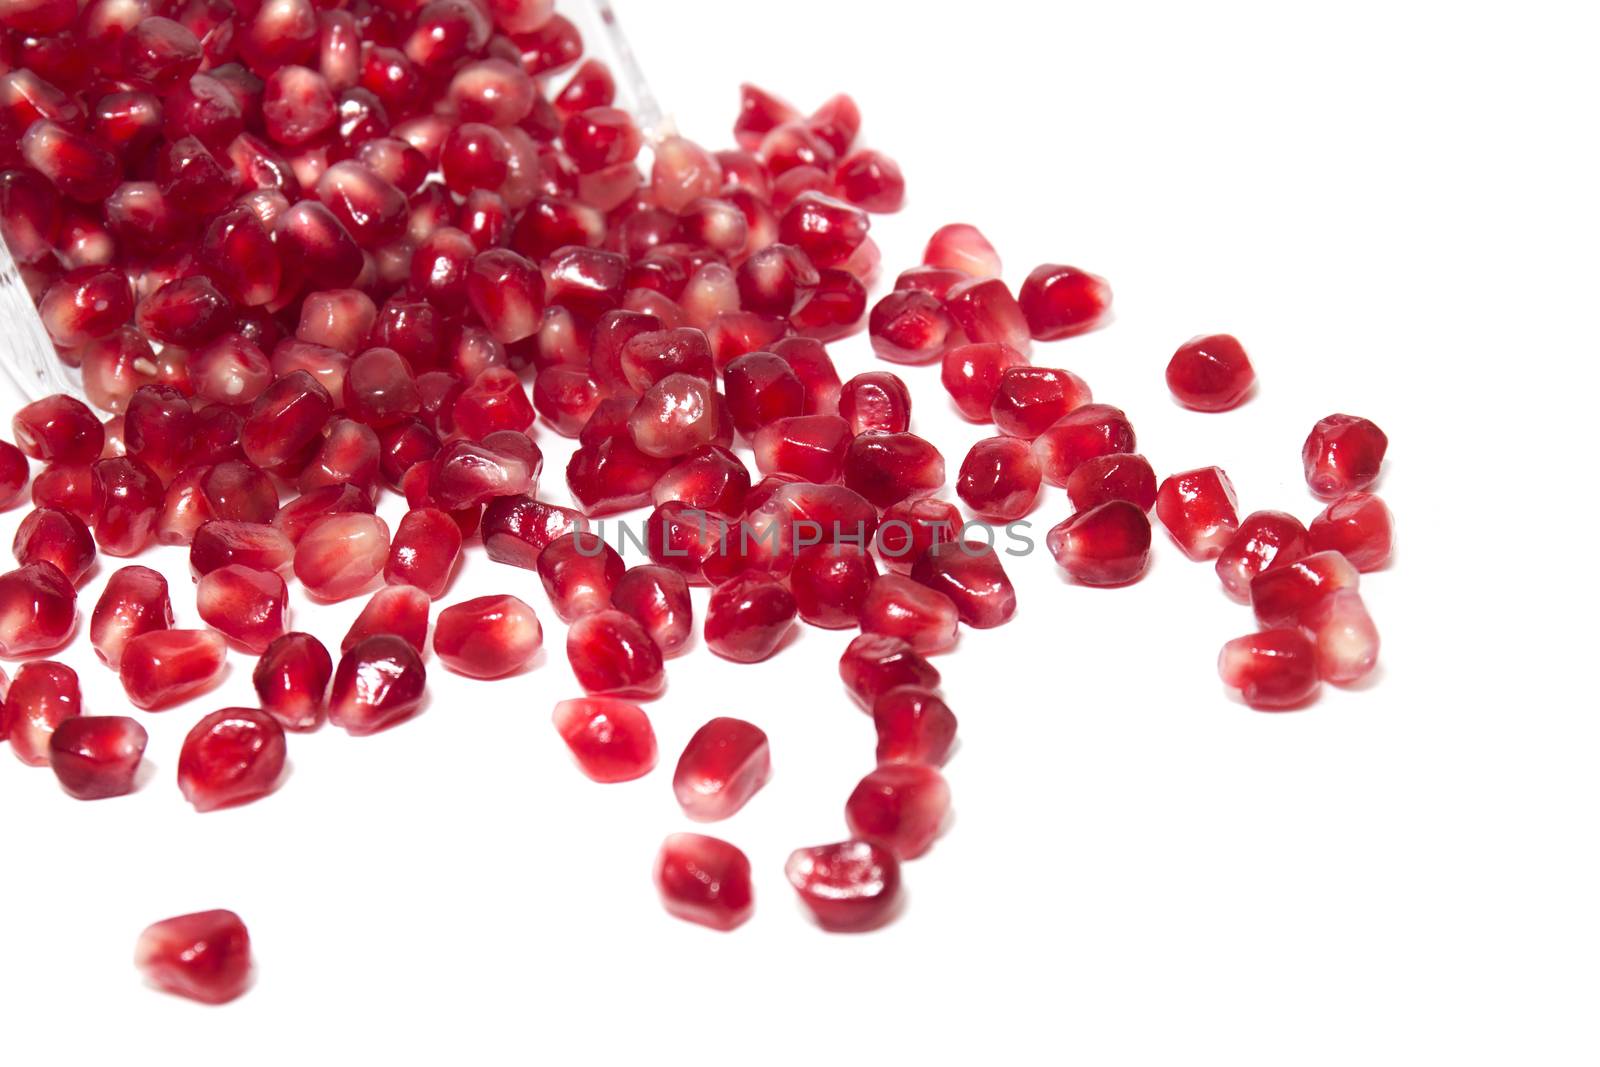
649,358
775,280
1210,373
380,389
337,318
887,468
959,246
1343,454
870,180
401,610
506,291
724,764
85,304
900,807
810,446
311,236
339,556
134,602
704,880
748,618
1358,526
1264,539
186,311
245,605
709,478
1199,510
426,546
685,539
658,597
97,756
380,681
50,535
612,655
874,663
1346,640
809,360
971,375
238,491
875,401
897,606
231,757
204,956
467,474
291,680
13,474
762,388
986,312
1106,545
230,370
587,281
566,397
285,422
612,475
487,637
759,114
74,163
675,416
349,454
1060,301
43,695
682,173
1085,433
165,667
1114,476
911,527
914,726
1029,400
38,610
909,326
970,574
828,231
59,429
1274,670
579,570
830,583
611,740
220,542
128,500
849,886
999,479
1287,595
517,529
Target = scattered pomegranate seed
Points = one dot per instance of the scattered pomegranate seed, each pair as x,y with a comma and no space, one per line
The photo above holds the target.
704,880
1030,400
291,680
959,246
1343,454
748,618
133,602
248,606
1264,539
1286,595
899,806
1274,670
888,468
1081,435
401,610
849,886
1346,639
911,527
1106,545
830,581
1113,476
909,326
610,739
231,757
97,756
204,956
658,597
870,180
379,682
487,637
1210,373
1358,526
579,571
60,538
999,478
875,401
43,695
1199,510
612,655
971,375
164,667
914,726
219,542
896,606
423,554
340,556
1062,301
970,574
873,664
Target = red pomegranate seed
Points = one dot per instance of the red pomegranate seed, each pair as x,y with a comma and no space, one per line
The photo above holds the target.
231,757
675,416
285,423
1210,373
494,401
849,886
579,570
959,246
1114,476
401,610
97,756
828,231
909,326
134,602
1343,454
1346,640
704,880
238,254
467,473
1085,433
1358,526
809,360
164,667
239,491
85,304
59,429
986,312
349,454
50,535
1106,545
312,237
73,162
204,956
1274,670
775,280
566,397
291,680
971,375
658,597
339,556
426,546
887,468
809,446
487,637
1199,510
245,605
13,474
128,497
379,388
1287,595
999,478
612,655
220,542
910,527
506,291
611,740
337,318
875,401
914,726
38,610
43,695
748,618
760,113
830,583
897,606
230,370
651,357
874,663
1029,400
971,575
186,311
900,807
1264,539
871,180
1059,301
724,764
517,529
612,475
379,682
710,478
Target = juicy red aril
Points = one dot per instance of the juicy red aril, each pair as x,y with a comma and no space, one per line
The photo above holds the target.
612,654
487,637
1085,433
1264,539
761,389
506,292
1114,476
59,429
379,388
1358,526
724,764
828,231
1060,301
286,421
291,680
1346,639
887,468
971,375
38,610
158,429
401,610
1286,595
1342,454
97,756
133,602
566,397
748,617
658,597
220,542
424,551
710,477
186,311
870,180
999,478
675,416
899,806
494,401
239,491
68,486
810,446
231,757
910,527
75,164
1199,510
204,956
468,473
612,475
704,880
959,246
43,695
897,606
849,886
830,583
909,326
1107,545
579,570
648,358
985,311
1029,400
873,664
50,535
1210,373
914,726
760,113
246,605
517,529
13,473
85,304
165,667
875,401
1273,670
611,740
379,682
340,556
971,575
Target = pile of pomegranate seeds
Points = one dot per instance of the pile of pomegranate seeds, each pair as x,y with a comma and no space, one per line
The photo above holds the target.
304,256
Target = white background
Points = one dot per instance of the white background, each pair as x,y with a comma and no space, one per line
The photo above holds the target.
1393,206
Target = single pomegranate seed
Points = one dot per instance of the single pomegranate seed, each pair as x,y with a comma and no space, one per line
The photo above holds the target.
887,468
971,375
897,606
776,280
910,527
379,388
204,956
658,597
875,401
220,542
873,664
312,237
231,757
612,475
971,575
1287,595
349,454
849,886
959,246
1210,373
340,555
1264,539
494,401
704,880
74,163
59,429
506,292
97,756
809,360
724,764
1274,670
900,807
1114,476
1085,433
759,114
401,610
467,474
230,370
426,546
685,539
517,529
285,423
1346,640
43,695
85,304
164,667
828,231
579,570
134,602
830,583
13,474
810,446
914,726
566,397
611,740
1199,510
1106,545
612,655
1029,400
748,618
985,312
291,680
245,605
1060,301
50,535
380,681
675,416
999,479
1343,454
487,637
648,358
909,326
186,311
871,180
38,610
1358,526
711,478
239,491
337,318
